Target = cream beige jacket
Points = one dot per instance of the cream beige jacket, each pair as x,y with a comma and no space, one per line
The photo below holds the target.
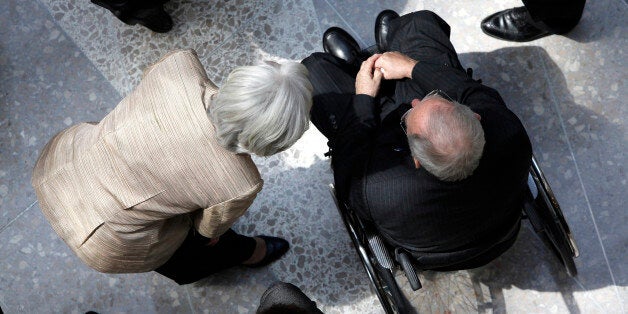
124,193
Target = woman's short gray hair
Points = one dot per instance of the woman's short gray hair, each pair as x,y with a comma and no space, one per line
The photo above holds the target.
262,109
451,145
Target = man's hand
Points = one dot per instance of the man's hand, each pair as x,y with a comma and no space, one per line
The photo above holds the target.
368,78
395,65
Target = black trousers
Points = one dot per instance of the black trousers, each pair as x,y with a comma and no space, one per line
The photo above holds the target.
195,260
555,16
131,5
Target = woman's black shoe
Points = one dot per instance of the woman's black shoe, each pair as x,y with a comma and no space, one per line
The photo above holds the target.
275,248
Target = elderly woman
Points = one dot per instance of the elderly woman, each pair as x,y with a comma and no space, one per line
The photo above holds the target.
157,184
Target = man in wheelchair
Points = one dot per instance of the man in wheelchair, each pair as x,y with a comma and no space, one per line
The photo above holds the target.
426,154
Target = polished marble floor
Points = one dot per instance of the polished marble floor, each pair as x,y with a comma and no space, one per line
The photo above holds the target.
67,61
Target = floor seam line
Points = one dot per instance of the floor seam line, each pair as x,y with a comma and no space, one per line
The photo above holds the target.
187,291
573,157
317,18
76,45
347,24
17,217
232,35
586,295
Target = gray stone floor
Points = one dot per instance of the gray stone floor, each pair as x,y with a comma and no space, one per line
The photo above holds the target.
64,62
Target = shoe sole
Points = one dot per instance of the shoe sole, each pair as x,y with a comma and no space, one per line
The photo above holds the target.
516,41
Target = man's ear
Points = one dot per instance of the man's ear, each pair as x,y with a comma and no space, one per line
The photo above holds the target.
417,164
477,116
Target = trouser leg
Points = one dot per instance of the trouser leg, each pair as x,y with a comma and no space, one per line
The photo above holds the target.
133,4
555,16
333,81
195,260
145,4
148,13
423,36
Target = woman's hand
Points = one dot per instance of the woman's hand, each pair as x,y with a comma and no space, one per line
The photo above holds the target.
368,79
395,65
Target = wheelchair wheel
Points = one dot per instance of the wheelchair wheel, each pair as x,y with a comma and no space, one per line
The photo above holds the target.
385,269
393,296
548,221
381,278
377,274
553,235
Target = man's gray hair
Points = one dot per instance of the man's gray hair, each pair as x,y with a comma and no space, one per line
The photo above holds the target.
451,145
262,109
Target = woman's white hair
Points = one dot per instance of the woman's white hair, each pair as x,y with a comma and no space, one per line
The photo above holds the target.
451,145
262,109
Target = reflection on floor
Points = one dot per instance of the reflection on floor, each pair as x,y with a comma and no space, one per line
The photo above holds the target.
64,62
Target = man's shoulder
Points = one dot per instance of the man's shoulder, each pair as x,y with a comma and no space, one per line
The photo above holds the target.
502,127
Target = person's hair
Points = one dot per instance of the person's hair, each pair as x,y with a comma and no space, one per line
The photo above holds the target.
451,145
262,109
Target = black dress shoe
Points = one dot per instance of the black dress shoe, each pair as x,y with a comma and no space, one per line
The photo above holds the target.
514,24
338,43
275,248
382,28
153,18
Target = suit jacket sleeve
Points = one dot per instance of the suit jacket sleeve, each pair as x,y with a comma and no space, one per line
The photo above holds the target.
358,126
350,146
431,75
213,221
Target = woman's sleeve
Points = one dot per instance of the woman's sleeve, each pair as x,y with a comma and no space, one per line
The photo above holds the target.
213,221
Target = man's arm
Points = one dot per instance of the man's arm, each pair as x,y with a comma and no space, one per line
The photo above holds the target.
429,75
359,128
364,117
353,138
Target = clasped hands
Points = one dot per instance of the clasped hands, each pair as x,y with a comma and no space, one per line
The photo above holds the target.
389,65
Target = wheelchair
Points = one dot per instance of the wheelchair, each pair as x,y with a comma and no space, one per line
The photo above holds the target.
381,262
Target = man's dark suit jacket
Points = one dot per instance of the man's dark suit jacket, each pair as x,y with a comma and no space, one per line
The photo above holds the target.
453,224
